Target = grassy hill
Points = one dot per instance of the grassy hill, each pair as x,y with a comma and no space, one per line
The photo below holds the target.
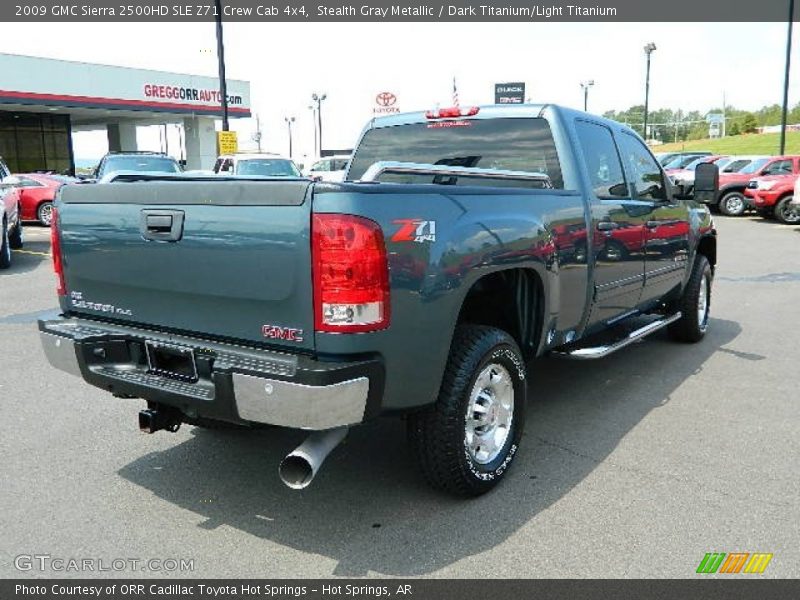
765,143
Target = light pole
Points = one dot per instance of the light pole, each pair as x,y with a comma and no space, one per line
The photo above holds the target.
586,85
785,108
318,98
648,50
314,120
289,121
223,86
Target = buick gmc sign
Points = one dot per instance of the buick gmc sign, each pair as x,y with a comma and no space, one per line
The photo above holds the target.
509,93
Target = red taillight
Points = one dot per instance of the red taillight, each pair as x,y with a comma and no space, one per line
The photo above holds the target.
351,274
452,112
55,250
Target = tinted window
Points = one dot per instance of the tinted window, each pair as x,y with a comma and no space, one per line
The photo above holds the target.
267,167
602,160
507,144
754,166
159,164
28,182
648,182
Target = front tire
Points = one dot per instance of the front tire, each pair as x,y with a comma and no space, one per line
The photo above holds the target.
695,304
786,212
733,204
467,440
16,238
5,246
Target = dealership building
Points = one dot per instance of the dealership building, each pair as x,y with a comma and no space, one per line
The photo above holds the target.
43,101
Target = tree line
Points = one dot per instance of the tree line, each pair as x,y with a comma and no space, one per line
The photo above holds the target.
670,125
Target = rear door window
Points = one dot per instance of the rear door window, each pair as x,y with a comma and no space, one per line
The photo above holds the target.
514,144
602,161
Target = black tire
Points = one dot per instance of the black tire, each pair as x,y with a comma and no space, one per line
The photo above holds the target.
786,213
16,238
438,435
5,246
733,204
691,327
44,213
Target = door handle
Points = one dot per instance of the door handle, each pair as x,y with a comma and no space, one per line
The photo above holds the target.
607,225
161,225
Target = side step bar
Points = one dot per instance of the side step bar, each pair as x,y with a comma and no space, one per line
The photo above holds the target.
592,353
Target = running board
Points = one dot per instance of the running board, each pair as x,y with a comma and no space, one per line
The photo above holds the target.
592,353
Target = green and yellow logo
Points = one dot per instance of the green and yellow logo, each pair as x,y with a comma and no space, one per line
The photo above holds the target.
735,562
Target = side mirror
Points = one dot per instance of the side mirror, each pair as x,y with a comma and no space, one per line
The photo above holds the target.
706,183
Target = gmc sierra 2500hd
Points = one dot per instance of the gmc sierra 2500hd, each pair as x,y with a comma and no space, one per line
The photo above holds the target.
463,243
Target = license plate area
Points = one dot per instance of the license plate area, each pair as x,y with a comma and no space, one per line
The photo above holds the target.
175,362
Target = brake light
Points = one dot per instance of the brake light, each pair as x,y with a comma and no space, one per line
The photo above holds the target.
55,250
452,112
351,274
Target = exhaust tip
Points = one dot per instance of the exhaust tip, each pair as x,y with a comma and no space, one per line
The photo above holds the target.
296,472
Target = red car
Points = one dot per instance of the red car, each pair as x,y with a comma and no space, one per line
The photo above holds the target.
36,193
772,195
731,199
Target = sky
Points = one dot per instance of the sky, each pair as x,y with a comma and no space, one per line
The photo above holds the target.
693,66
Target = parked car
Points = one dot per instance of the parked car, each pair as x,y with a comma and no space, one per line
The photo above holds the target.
772,195
420,286
667,157
139,161
11,233
261,164
731,199
331,168
36,193
681,161
685,176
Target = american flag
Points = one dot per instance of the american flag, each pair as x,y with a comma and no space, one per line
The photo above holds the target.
455,93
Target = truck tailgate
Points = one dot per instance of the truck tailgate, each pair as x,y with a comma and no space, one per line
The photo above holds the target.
228,259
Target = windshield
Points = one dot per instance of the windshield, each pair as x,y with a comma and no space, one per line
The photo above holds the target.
754,166
514,144
270,167
160,164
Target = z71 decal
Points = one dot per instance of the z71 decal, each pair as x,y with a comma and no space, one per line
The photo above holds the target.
414,230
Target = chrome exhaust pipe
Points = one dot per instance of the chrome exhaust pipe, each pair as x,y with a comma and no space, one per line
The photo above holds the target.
300,466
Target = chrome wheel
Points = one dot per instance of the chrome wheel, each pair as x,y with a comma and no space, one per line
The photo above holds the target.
490,414
46,214
734,205
702,305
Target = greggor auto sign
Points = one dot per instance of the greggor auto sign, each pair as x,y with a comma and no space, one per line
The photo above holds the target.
174,92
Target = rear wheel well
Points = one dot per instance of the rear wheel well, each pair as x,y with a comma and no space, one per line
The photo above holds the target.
511,300
708,248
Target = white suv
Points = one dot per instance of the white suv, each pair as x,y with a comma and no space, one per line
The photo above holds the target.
261,164
331,168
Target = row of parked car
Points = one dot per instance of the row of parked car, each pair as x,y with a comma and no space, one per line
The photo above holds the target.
765,184
30,196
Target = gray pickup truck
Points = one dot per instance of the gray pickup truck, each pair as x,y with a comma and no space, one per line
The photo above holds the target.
463,243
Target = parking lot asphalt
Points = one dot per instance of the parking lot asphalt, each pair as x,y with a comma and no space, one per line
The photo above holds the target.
632,466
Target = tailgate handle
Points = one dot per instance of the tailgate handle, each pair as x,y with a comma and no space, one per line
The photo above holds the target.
162,225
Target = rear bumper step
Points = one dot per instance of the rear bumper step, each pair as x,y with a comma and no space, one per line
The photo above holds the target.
595,352
233,383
